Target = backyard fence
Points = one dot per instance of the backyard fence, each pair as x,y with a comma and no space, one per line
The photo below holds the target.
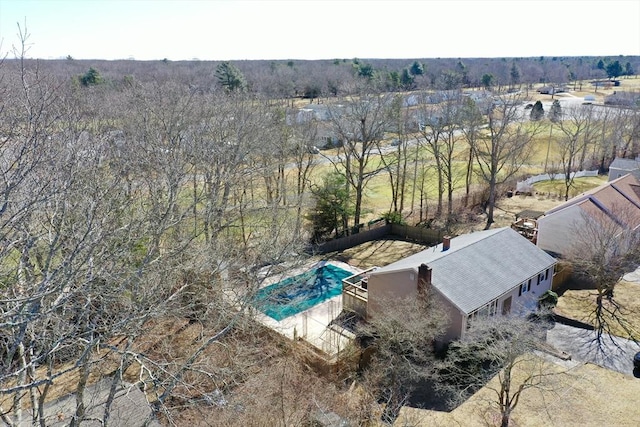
427,236
561,275
352,240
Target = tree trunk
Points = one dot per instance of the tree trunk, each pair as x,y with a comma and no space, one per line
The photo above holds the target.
504,422
468,177
491,203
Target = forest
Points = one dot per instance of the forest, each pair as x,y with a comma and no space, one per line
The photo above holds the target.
144,203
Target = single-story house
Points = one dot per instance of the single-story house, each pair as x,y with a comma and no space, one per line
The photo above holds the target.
615,202
488,272
621,166
551,90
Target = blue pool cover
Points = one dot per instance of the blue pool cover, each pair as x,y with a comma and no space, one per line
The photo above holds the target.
299,293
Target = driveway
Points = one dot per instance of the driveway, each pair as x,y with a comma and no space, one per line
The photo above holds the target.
613,352
634,276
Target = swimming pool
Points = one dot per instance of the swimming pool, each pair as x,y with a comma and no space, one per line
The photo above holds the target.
296,294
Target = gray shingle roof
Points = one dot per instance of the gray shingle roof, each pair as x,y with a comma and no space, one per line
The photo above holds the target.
614,201
479,267
625,164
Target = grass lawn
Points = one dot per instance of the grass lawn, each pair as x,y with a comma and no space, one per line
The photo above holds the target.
377,253
580,185
586,395
579,304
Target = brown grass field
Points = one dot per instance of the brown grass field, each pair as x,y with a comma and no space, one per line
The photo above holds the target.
584,396
579,304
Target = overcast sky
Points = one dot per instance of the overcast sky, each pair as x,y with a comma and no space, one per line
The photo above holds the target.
305,29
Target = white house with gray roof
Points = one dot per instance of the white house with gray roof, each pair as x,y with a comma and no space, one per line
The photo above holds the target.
488,272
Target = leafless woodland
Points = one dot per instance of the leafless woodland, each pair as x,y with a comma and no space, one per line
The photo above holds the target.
136,213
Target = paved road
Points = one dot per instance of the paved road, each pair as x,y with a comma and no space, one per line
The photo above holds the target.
615,353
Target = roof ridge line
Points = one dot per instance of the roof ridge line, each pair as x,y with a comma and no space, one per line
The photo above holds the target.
496,231
625,195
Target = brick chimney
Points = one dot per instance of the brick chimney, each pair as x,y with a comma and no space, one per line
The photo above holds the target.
446,243
424,278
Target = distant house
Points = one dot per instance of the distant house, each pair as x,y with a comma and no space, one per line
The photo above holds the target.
616,202
310,112
620,167
551,90
488,272
317,111
412,100
605,83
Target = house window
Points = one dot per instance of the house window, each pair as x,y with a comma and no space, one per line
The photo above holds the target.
488,310
524,288
539,278
546,274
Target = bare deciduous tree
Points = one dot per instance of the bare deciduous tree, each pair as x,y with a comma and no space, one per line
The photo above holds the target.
360,124
500,347
396,163
439,127
606,247
471,120
503,147
403,361
577,126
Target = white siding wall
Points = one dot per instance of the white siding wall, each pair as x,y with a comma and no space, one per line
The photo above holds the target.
526,301
556,231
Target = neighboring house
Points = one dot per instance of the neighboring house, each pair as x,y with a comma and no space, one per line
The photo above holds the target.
616,202
326,136
310,112
317,111
488,272
620,167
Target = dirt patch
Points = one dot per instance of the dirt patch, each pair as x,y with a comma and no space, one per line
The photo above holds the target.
507,208
378,253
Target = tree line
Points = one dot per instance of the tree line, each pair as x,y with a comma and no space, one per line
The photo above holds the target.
313,79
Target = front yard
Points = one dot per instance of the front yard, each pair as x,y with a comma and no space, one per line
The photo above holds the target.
586,395
579,304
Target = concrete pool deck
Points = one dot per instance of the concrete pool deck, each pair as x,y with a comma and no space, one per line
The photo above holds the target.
312,325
